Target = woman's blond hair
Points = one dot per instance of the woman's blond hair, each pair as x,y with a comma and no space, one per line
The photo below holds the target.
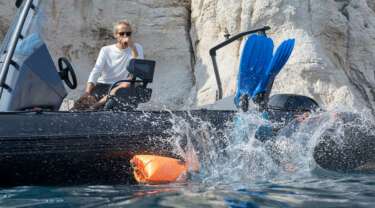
121,22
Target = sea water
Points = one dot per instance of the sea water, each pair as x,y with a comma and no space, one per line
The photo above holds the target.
237,170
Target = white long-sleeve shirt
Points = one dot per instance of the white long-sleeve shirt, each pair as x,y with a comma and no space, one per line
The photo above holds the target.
111,64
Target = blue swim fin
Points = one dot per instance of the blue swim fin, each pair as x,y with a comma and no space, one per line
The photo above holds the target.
277,63
256,56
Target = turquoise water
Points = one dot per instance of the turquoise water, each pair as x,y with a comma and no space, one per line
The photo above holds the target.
318,191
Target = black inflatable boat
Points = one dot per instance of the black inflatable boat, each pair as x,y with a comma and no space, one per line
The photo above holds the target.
41,146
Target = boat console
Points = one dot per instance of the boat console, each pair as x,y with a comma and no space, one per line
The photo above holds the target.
142,72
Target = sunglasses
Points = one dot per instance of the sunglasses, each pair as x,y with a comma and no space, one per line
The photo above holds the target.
127,34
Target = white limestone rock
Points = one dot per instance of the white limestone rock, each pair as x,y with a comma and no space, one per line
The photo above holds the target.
78,29
7,9
333,61
161,27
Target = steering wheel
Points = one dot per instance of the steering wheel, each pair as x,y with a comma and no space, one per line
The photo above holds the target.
67,73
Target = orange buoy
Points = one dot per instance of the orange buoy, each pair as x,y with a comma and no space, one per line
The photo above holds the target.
156,169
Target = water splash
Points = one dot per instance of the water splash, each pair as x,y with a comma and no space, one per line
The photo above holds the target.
236,154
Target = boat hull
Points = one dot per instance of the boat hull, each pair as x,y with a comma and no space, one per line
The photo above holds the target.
86,147
60,148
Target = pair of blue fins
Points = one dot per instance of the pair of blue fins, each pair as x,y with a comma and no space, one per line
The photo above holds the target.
259,66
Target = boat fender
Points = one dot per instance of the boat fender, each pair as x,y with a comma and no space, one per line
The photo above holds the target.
153,169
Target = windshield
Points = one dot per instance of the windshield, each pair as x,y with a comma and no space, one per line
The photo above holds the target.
33,25
28,21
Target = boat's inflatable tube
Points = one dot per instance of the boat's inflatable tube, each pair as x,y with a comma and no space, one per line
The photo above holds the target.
153,169
353,150
81,148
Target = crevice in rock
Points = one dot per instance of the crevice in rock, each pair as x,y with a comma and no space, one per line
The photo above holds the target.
371,4
355,76
252,12
345,12
358,75
359,81
189,26
309,9
344,8
192,46
239,22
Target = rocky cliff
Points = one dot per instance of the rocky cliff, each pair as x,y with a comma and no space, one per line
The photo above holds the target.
333,60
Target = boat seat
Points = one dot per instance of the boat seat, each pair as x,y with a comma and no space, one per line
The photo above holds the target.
125,99
292,103
284,108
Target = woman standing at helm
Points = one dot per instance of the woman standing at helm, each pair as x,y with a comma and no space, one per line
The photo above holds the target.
111,64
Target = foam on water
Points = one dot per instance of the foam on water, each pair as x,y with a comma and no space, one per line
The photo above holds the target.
234,155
